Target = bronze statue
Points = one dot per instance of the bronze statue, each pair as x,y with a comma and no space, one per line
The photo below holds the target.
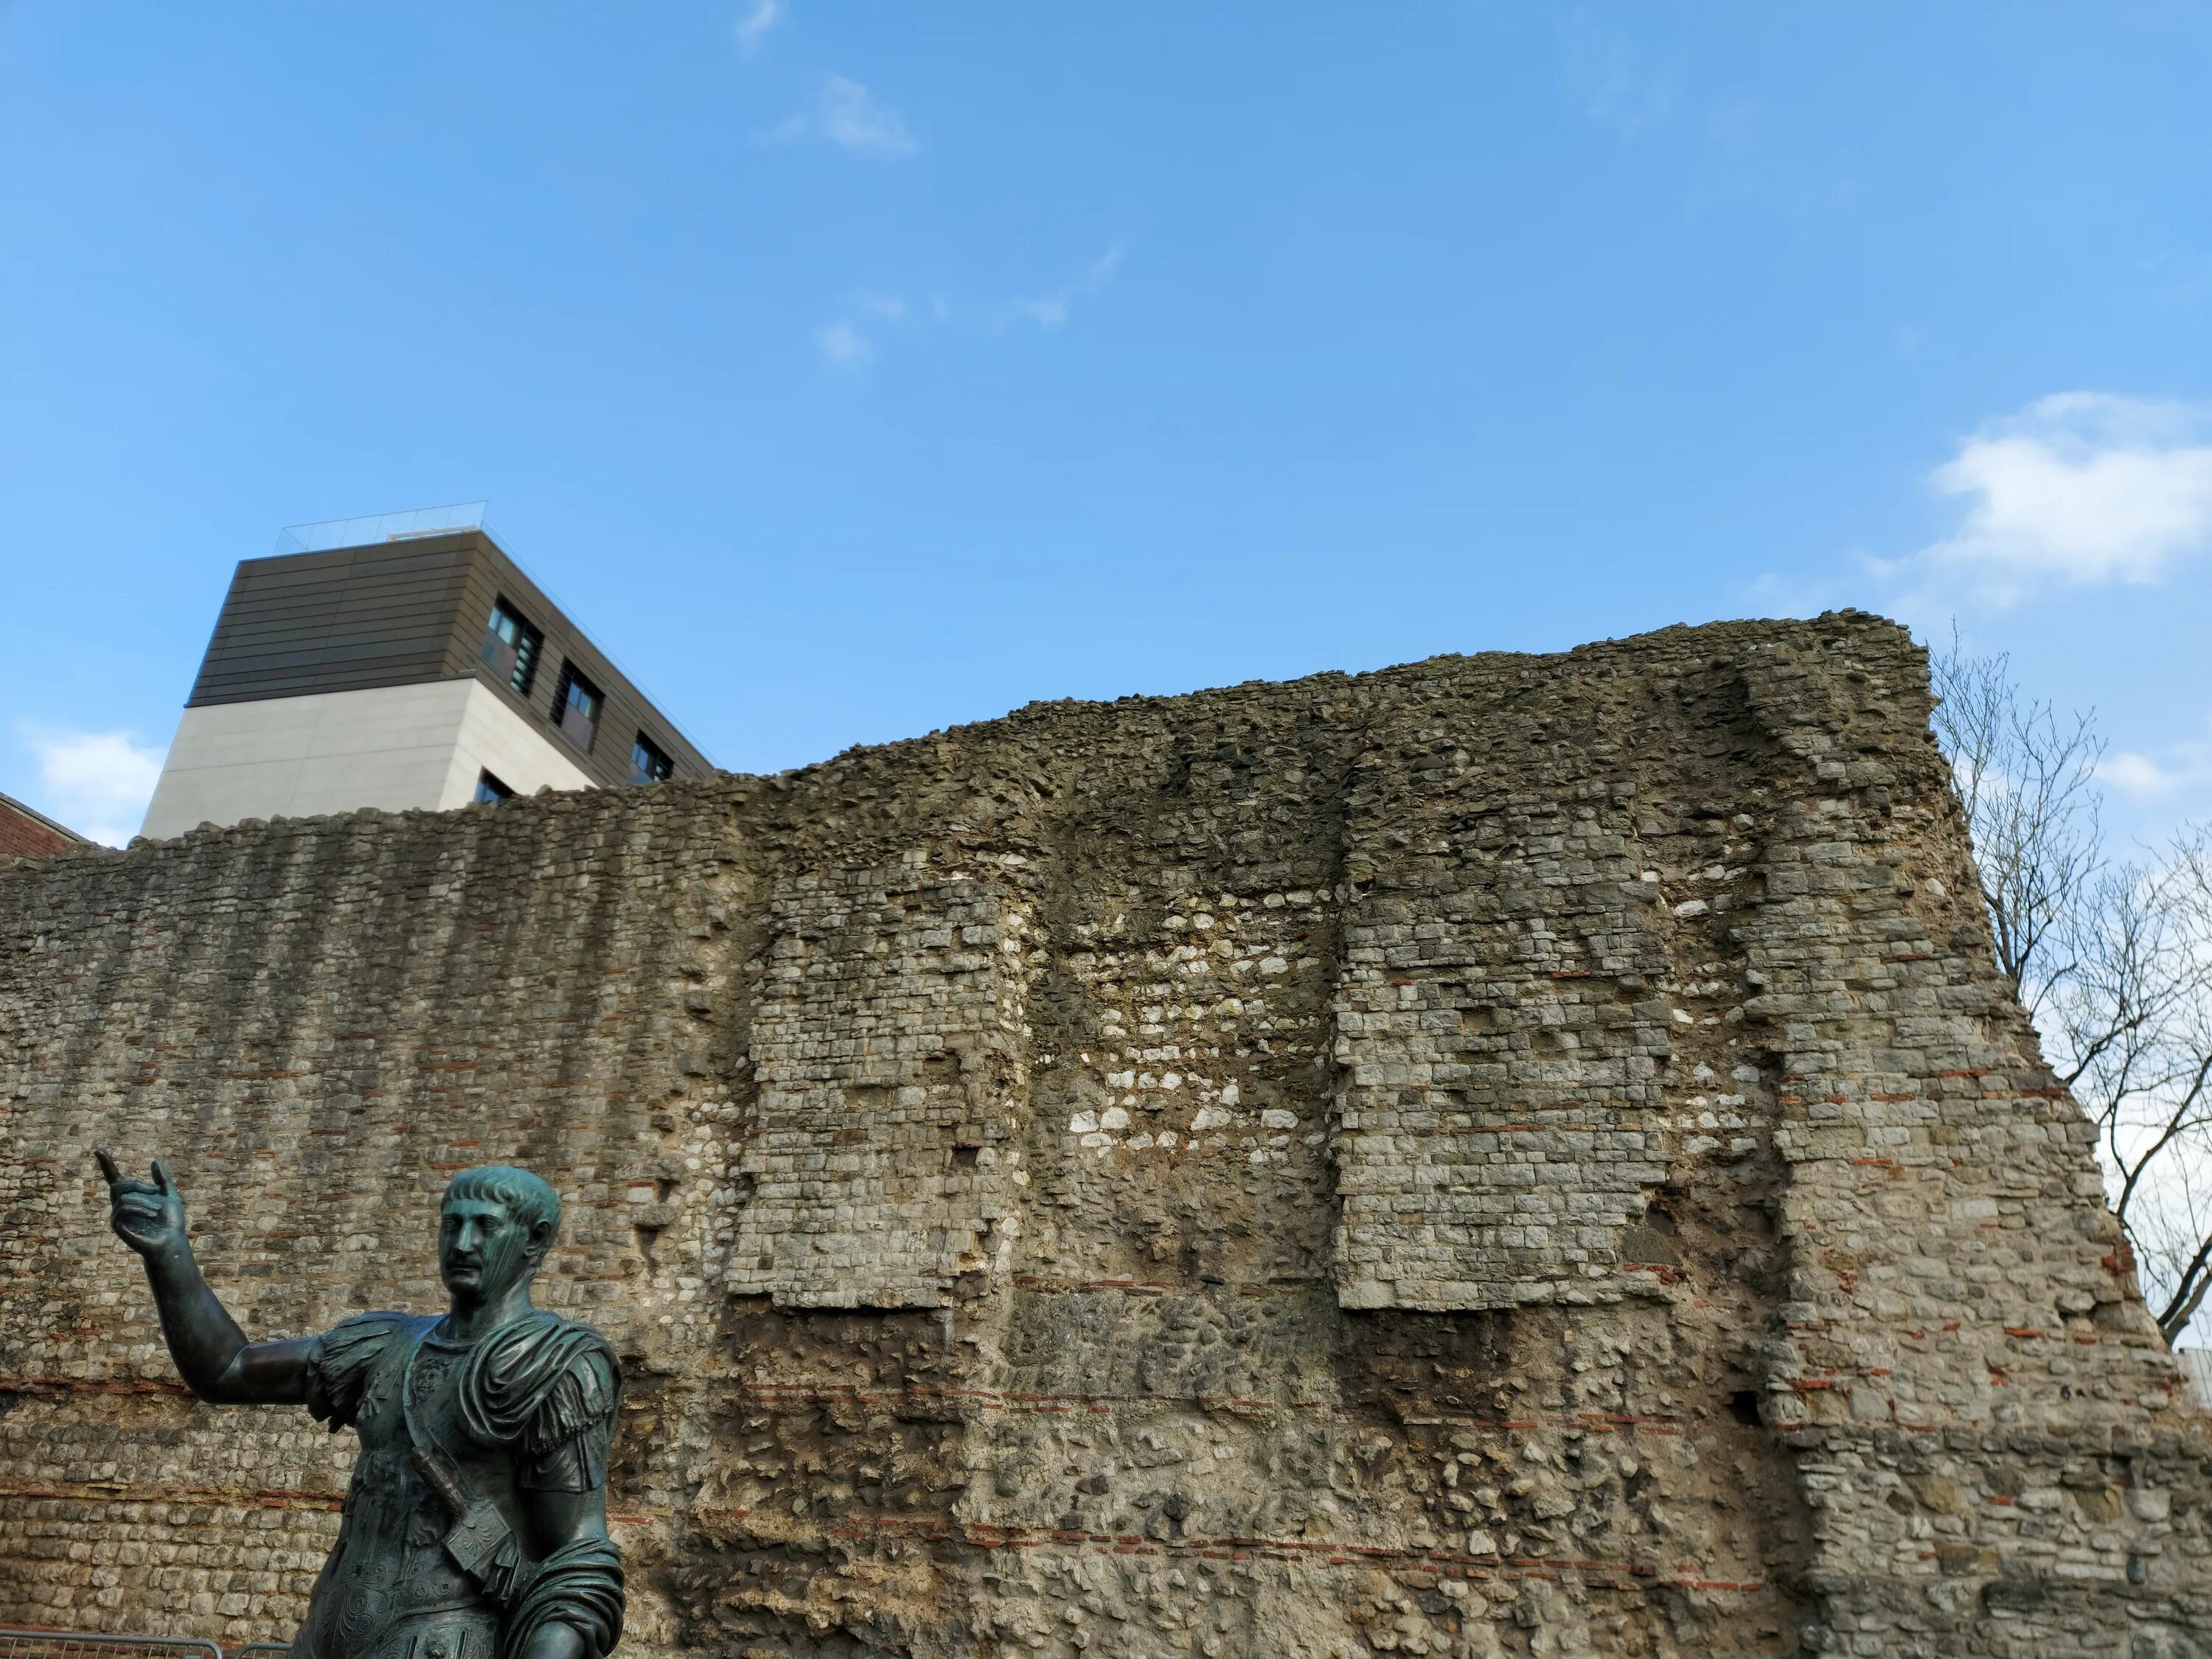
475,1526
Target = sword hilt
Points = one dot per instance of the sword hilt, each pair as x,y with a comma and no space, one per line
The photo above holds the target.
439,1479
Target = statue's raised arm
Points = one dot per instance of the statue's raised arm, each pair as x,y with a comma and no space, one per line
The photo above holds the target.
212,1354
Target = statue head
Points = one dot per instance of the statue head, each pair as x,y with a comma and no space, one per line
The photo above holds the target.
493,1230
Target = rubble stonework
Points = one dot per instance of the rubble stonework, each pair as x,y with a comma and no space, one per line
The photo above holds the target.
1505,1156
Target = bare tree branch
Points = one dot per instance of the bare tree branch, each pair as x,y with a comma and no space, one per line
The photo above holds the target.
2112,959
2027,780
2189,1290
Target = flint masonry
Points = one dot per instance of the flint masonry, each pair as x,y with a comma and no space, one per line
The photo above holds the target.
1509,1155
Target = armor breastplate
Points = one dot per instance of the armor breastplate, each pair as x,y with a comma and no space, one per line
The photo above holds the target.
390,1590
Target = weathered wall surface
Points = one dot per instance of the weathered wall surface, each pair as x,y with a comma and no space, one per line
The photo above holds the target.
1505,1156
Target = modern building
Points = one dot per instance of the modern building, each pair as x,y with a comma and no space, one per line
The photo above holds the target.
26,832
395,662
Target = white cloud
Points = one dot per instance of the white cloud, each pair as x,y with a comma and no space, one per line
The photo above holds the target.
1613,80
2182,767
2078,489
2139,775
96,782
854,119
849,342
846,114
1051,311
752,28
843,345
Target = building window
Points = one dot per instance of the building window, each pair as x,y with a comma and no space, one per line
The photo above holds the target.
490,791
576,708
511,648
648,763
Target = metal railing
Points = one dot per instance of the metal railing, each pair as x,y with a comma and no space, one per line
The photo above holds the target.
371,527
101,1644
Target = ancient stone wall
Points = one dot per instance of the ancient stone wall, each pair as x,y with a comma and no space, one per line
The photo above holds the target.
1510,1155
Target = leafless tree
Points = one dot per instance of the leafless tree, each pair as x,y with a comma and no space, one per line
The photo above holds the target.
2027,780
2111,957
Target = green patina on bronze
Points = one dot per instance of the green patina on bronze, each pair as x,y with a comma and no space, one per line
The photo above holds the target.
475,1526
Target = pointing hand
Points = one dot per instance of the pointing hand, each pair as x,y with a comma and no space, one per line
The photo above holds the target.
146,1215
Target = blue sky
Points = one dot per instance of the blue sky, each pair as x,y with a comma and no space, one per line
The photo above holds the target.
855,370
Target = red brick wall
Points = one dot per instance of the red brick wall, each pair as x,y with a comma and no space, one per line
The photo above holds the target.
22,835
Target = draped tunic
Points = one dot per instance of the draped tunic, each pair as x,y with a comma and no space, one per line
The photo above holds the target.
527,1407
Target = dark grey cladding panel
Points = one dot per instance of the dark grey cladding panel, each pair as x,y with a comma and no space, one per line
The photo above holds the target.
342,621
359,618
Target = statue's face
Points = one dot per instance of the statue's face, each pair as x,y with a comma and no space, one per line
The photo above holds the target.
482,1249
